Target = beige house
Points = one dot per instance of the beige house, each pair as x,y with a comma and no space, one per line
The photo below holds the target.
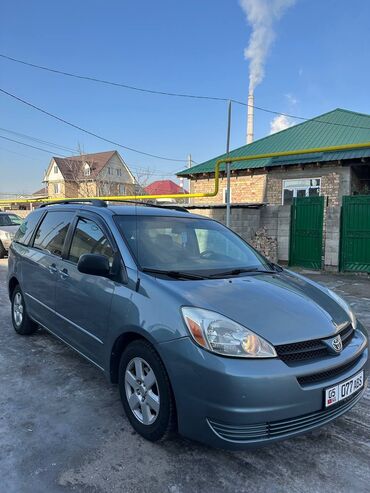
89,175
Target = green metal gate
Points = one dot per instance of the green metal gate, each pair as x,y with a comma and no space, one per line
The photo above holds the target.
306,232
355,234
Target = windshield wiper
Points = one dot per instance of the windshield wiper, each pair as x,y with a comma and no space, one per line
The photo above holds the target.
174,273
236,272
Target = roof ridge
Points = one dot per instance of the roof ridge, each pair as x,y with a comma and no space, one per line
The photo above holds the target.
84,155
352,112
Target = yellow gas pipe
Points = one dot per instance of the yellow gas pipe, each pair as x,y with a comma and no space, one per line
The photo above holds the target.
217,176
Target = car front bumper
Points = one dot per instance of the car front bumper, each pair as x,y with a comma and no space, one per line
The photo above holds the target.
240,403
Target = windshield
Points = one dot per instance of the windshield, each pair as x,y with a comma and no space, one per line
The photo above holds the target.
10,220
199,246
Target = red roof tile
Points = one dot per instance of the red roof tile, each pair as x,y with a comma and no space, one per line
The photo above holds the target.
163,187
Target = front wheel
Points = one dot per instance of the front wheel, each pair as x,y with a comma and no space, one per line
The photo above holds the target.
22,323
146,392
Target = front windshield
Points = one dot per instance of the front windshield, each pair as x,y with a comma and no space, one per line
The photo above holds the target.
189,244
10,220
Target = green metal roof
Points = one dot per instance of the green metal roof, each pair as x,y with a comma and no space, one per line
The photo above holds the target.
338,127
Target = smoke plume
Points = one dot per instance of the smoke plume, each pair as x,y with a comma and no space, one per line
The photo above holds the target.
262,16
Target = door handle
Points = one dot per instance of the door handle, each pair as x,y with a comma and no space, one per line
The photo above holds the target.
64,274
52,269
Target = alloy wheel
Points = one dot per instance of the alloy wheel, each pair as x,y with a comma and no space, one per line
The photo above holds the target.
18,309
142,391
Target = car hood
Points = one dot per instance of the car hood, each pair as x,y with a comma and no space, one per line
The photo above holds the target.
282,307
9,229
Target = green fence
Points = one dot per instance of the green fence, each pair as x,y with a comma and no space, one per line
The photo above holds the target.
355,234
306,232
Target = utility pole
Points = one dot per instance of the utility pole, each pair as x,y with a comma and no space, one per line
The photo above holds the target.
190,164
228,166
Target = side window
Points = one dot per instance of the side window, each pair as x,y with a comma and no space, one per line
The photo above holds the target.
27,227
52,232
89,238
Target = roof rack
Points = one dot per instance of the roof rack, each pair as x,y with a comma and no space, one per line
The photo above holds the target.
104,203
150,204
94,202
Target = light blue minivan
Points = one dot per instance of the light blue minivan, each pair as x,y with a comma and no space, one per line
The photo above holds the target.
202,333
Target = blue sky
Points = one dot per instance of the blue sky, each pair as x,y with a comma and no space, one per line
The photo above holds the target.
318,62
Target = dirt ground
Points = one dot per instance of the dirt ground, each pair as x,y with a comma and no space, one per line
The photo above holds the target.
62,429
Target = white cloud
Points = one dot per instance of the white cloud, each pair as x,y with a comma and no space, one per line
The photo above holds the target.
291,99
280,122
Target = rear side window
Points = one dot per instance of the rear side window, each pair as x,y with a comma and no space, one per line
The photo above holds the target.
27,227
52,232
89,238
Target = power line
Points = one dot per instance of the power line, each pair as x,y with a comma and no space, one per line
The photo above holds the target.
172,94
66,122
111,83
38,140
134,168
28,145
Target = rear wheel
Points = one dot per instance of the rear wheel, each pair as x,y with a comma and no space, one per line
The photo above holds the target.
146,392
21,321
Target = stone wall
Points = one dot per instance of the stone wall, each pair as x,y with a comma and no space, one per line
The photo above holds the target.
332,238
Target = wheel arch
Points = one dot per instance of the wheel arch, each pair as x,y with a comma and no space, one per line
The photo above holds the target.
119,345
13,282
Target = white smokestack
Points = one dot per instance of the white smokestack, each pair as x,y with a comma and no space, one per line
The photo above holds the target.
262,16
250,118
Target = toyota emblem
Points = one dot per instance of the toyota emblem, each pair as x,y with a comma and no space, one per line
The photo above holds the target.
337,344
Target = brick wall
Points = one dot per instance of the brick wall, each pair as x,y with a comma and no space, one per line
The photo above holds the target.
335,182
259,186
245,187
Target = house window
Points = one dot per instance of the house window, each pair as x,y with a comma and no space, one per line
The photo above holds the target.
57,187
119,172
87,170
109,170
55,169
225,195
121,189
304,187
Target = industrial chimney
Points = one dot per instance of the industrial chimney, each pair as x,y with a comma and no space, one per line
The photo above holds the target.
250,118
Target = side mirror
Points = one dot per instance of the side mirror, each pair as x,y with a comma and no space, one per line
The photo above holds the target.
94,264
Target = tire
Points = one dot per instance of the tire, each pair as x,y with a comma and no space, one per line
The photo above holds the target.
2,250
146,392
22,323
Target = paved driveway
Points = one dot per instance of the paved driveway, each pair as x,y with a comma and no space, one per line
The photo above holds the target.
62,429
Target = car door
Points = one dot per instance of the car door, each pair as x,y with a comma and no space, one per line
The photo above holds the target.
41,263
83,301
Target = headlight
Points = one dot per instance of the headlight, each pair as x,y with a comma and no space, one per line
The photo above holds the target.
345,307
221,335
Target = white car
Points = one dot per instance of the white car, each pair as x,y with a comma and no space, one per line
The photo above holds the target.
9,223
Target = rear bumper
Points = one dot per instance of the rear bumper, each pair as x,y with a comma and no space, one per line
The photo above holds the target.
236,404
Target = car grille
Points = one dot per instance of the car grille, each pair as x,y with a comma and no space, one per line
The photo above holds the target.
283,428
312,349
327,374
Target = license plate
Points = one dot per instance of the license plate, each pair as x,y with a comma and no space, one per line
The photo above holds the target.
344,389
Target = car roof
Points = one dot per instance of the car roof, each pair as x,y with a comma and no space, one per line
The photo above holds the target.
125,210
